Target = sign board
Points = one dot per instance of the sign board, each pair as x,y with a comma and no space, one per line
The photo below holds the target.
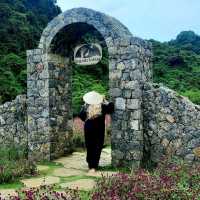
87,54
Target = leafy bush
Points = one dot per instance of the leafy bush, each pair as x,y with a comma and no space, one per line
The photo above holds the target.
12,76
176,64
78,141
12,152
14,164
177,60
170,181
193,95
12,170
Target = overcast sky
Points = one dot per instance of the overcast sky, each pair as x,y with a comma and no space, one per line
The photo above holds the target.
158,19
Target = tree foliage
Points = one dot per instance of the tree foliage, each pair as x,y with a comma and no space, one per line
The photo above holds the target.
21,24
178,66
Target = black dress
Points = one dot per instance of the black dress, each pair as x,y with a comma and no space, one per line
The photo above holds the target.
94,131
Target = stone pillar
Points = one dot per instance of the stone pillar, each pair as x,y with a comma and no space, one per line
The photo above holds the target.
126,93
60,105
129,69
38,105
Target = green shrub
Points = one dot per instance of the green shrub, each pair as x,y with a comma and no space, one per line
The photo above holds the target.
14,164
193,95
13,152
78,141
11,170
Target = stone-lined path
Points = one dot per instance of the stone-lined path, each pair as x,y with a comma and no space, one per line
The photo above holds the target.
67,172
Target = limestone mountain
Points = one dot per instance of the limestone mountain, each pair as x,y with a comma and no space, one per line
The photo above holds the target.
187,40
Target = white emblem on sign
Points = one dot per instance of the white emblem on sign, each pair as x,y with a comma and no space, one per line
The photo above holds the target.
87,54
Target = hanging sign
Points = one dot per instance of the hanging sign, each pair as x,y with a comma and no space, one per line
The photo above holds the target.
87,54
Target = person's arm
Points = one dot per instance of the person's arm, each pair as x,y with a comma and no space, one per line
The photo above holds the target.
108,108
83,115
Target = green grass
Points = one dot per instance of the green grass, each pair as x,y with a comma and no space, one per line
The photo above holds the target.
85,195
75,178
15,185
115,169
52,166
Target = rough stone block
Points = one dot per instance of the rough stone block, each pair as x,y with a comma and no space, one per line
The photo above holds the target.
130,85
136,93
2,121
117,154
136,75
115,92
170,118
127,94
114,75
126,76
133,104
136,114
120,103
134,124
120,66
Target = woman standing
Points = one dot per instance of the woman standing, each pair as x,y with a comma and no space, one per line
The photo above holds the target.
93,114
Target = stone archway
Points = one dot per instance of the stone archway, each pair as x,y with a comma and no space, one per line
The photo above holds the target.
129,67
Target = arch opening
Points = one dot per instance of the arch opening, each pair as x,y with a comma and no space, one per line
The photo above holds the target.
70,81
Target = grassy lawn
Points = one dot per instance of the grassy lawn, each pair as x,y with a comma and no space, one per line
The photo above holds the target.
114,169
15,185
85,195
51,167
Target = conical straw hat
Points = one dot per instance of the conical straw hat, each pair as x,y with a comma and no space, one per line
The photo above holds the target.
93,98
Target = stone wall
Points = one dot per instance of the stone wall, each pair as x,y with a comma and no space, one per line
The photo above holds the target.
13,122
149,121
171,124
